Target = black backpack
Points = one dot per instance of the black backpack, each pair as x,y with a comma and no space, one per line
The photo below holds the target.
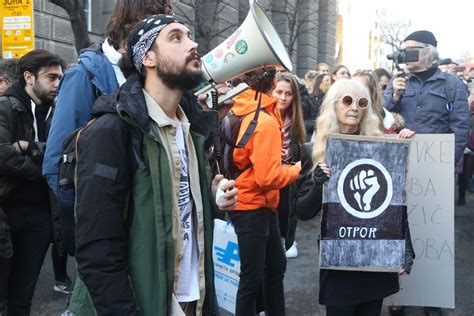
227,141
66,194
450,90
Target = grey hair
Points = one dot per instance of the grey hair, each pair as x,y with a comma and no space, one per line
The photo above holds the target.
433,56
8,70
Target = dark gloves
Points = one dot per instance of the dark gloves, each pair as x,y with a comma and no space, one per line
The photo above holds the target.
319,176
35,151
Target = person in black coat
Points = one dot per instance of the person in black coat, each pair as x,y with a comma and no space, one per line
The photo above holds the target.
25,113
344,292
309,108
321,86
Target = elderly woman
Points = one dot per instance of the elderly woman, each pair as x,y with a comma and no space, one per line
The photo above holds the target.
347,109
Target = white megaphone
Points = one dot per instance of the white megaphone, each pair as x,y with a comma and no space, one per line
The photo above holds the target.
253,45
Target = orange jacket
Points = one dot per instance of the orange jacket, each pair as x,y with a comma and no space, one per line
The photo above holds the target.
260,184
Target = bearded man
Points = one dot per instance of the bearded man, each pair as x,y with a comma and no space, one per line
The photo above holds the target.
144,206
25,113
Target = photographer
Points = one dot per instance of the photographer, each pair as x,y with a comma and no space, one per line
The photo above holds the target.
421,96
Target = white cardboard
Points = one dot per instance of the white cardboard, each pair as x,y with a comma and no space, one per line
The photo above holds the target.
430,197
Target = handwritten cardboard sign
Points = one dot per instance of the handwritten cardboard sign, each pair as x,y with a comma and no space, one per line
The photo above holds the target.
430,198
364,204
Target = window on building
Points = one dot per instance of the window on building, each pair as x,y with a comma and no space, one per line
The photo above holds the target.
97,14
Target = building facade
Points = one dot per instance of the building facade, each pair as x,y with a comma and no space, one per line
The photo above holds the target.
307,27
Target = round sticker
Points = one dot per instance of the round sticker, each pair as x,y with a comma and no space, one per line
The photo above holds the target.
218,53
365,188
241,47
228,57
216,66
209,59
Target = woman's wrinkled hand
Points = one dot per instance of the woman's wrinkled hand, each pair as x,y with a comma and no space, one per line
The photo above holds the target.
406,133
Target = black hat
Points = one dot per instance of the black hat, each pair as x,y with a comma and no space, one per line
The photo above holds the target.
446,61
425,37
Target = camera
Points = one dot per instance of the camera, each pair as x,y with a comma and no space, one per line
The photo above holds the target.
460,69
404,56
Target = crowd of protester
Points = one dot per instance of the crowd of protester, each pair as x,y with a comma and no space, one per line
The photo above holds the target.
144,152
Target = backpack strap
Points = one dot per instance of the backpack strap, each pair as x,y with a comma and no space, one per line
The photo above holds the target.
252,125
450,90
83,128
70,158
96,48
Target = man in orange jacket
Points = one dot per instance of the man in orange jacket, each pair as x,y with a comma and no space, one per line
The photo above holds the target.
255,220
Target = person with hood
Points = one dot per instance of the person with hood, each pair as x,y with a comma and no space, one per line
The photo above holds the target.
25,113
255,218
144,197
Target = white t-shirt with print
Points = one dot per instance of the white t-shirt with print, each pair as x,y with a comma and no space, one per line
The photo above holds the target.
187,289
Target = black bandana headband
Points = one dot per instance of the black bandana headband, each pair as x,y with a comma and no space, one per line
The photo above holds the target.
144,35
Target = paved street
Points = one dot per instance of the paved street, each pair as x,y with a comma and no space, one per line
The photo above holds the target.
302,273
301,279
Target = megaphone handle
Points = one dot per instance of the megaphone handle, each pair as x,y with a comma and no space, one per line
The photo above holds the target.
241,87
217,139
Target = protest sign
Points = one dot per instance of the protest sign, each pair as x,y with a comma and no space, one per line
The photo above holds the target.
430,201
364,204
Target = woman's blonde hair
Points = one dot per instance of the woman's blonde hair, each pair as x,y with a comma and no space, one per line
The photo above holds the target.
327,121
297,123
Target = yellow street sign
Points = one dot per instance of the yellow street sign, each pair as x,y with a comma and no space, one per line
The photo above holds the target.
18,36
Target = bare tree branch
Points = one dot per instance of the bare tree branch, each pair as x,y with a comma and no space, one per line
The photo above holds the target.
393,33
77,15
208,22
296,19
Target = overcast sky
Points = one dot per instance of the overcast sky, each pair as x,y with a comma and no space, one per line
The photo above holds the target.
451,21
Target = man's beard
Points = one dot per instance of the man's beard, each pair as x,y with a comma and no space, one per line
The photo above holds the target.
42,94
175,78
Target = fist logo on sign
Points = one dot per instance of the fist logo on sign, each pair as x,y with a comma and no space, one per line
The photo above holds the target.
365,188
365,185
